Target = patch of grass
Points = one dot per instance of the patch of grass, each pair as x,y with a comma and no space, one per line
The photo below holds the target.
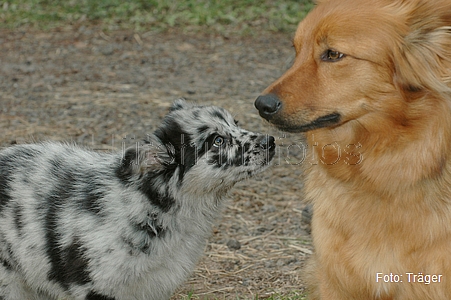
294,295
140,15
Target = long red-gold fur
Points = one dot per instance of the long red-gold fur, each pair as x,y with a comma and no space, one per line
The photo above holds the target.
385,206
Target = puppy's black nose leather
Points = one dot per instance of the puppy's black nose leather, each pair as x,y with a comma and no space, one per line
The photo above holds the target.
267,142
268,105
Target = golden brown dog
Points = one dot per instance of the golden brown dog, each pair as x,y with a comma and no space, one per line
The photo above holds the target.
371,87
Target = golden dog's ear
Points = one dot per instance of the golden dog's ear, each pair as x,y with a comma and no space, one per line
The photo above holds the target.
423,58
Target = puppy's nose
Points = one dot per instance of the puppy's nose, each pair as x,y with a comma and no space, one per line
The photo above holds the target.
267,142
268,105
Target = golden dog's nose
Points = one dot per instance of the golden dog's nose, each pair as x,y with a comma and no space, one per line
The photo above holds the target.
268,105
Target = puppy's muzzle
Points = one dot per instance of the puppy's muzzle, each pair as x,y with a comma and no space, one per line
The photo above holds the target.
267,144
268,105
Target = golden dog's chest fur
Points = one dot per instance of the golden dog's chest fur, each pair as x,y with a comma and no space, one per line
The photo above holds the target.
371,86
364,233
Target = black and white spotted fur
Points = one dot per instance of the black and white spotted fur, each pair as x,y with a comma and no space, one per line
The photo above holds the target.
78,224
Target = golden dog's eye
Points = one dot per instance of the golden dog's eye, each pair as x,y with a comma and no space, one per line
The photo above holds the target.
332,56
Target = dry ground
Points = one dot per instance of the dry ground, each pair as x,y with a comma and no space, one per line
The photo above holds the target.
104,89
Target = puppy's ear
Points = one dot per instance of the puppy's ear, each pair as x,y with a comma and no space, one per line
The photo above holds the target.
179,104
423,59
150,156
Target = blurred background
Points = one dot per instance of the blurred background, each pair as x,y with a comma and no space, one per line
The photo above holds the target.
226,16
103,73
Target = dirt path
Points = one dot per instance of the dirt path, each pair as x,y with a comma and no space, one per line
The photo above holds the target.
94,88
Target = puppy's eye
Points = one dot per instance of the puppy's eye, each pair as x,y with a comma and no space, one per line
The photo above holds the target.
332,56
218,141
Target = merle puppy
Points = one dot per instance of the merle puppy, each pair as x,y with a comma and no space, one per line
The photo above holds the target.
77,224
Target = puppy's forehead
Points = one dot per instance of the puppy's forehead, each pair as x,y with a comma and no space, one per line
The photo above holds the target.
202,121
217,115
